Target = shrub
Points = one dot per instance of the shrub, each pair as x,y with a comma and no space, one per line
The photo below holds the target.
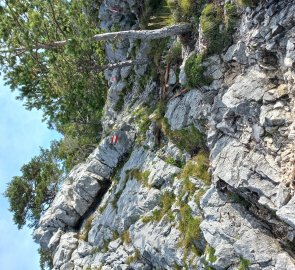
218,26
187,10
174,54
195,71
211,21
186,139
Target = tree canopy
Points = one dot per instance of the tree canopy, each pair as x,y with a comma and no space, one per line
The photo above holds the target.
31,193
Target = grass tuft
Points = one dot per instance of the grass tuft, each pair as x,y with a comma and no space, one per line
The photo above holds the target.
198,168
195,71
166,203
244,264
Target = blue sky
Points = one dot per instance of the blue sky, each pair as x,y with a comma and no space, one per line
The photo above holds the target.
21,134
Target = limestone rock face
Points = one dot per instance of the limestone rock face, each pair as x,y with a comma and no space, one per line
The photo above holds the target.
145,202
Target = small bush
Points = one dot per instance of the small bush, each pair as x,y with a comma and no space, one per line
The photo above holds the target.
185,139
218,26
211,23
174,55
195,71
187,10
143,122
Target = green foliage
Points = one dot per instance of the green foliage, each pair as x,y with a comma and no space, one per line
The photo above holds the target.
189,228
195,71
30,194
198,168
143,122
174,55
199,195
65,82
244,264
142,177
217,27
185,139
245,3
157,14
186,10
211,251
46,259
178,163
120,103
166,203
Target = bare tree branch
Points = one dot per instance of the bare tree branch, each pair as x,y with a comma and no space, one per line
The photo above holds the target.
168,31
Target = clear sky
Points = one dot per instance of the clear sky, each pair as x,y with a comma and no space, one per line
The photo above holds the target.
21,134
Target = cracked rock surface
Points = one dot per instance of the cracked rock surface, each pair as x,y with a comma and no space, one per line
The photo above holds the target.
109,212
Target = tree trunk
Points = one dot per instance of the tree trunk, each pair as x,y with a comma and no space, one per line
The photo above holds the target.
168,31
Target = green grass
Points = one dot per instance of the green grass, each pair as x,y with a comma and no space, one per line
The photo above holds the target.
199,195
195,71
190,230
143,122
174,55
166,203
245,3
178,163
212,19
187,139
197,168
141,176
211,251
244,264
161,16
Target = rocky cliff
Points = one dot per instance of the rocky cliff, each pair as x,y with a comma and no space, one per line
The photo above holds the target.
147,201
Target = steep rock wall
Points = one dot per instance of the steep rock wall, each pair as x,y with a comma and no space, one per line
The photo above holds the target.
109,213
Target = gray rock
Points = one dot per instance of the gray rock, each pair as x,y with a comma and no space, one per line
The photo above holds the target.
287,214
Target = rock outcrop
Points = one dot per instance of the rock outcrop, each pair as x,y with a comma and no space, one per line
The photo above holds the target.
141,203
